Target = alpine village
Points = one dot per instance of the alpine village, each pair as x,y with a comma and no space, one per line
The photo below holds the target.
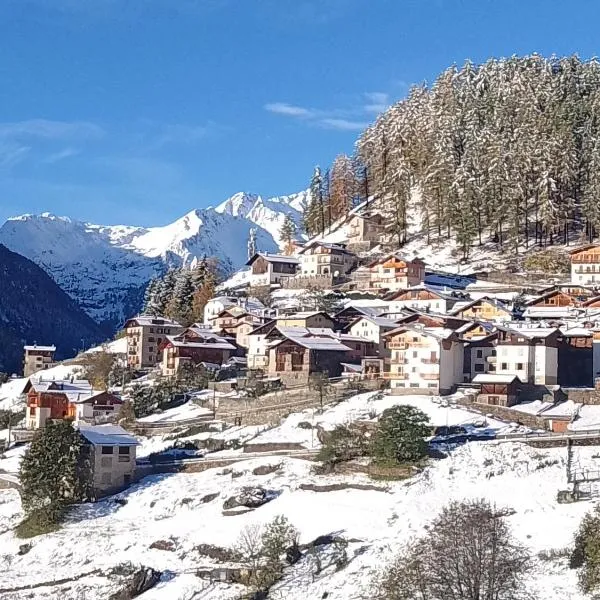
408,366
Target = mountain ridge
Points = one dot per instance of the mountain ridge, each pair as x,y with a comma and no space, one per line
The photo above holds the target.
105,268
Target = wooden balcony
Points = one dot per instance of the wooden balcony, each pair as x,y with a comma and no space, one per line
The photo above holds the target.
397,345
401,376
430,361
430,376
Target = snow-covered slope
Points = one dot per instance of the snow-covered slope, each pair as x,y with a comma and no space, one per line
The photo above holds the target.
106,268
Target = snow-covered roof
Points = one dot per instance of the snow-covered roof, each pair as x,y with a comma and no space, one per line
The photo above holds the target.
303,315
439,333
317,343
149,321
217,344
107,435
493,378
531,332
383,322
274,258
42,348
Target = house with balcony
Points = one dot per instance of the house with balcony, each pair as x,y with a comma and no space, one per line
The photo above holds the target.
72,399
496,389
145,335
365,231
484,309
38,358
421,298
389,273
424,359
311,319
296,353
194,346
373,328
271,269
479,354
322,265
585,265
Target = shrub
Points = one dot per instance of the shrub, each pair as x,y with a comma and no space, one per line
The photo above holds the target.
342,444
36,523
552,262
400,435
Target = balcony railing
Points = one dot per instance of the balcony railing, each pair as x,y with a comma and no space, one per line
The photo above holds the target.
430,376
397,345
401,376
430,361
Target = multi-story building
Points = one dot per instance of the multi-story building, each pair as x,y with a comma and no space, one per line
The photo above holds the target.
320,259
111,451
484,309
392,272
529,353
193,346
74,399
585,264
365,231
373,329
421,298
426,359
269,269
145,334
38,358
216,305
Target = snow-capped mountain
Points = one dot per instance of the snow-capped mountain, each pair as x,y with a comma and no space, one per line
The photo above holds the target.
106,267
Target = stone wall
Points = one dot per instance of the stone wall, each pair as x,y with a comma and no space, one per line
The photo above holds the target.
504,413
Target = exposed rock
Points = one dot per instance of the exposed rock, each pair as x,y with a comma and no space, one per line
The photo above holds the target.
216,553
167,545
266,469
141,580
250,497
335,487
209,498
305,425
24,549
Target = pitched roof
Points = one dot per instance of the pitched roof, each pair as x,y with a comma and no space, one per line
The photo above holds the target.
495,303
42,348
382,322
303,315
149,320
273,258
107,435
439,333
316,343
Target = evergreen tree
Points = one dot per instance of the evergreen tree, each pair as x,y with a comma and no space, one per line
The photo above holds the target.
288,233
314,215
180,306
54,472
400,435
150,297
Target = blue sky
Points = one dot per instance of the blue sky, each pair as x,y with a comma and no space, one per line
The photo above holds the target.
137,111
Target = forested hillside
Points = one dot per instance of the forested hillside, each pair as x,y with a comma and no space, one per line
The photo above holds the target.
507,151
34,309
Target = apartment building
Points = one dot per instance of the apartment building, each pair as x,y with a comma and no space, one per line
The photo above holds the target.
37,358
306,319
424,359
585,265
529,353
373,329
319,258
145,334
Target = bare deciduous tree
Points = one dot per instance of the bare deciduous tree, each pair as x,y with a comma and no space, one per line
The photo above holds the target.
467,554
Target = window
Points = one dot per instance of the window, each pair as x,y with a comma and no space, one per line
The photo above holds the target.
32,410
414,370
150,348
124,450
107,449
479,368
519,366
415,354
479,354
504,366
151,329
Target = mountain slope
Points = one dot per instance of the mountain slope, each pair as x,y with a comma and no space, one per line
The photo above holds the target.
34,309
106,268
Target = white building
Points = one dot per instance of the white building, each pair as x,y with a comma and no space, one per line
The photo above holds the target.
271,269
429,359
373,329
421,298
529,353
216,305
585,265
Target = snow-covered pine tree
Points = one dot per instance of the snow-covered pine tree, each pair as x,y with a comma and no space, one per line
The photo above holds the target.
180,305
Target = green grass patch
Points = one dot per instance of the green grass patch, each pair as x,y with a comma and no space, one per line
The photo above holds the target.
37,523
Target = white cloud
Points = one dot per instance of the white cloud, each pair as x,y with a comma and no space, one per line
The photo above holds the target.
377,102
12,154
52,130
343,124
60,155
289,110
